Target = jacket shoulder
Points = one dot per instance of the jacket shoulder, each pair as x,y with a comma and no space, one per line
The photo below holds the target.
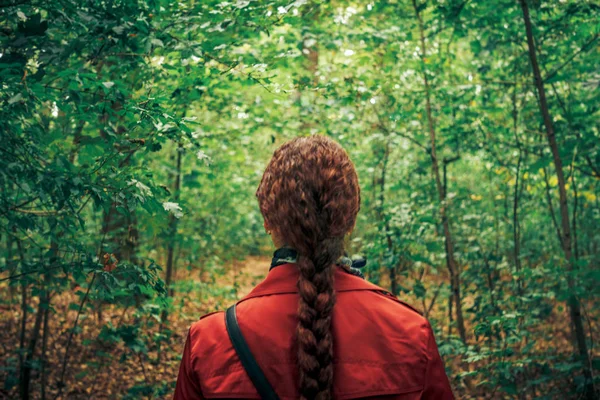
355,284
209,314
208,323
401,302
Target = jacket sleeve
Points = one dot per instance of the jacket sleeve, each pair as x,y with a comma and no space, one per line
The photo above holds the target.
187,387
437,385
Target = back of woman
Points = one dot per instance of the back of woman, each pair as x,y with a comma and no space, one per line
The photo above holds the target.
316,330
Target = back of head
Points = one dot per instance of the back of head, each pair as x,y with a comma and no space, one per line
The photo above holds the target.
309,197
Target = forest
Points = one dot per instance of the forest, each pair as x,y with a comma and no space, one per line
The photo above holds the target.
134,134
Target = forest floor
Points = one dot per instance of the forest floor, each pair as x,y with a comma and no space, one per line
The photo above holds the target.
107,366
133,354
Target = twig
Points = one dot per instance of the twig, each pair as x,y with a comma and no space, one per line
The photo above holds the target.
435,295
382,126
11,277
583,48
549,200
39,213
65,362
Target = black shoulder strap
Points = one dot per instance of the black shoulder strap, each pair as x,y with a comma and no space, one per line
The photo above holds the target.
252,368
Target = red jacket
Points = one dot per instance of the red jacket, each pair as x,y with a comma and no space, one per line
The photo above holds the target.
382,347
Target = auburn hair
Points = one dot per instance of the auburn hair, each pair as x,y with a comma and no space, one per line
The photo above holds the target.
309,197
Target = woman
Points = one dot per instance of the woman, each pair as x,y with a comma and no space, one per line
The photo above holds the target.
315,330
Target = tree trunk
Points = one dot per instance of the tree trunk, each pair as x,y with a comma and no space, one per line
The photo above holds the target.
172,233
381,215
449,244
565,231
450,314
310,63
35,333
173,225
24,313
44,377
516,224
45,327
11,266
41,317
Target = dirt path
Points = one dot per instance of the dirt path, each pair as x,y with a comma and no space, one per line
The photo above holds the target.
246,274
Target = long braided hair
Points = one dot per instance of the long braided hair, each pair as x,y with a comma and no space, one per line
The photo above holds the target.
309,197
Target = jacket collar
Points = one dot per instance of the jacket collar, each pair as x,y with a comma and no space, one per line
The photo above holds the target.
284,278
287,255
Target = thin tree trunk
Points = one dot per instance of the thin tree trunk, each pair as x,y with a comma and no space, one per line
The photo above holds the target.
11,267
386,224
550,206
76,141
449,244
575,204
45,327
310,49
65,362
24,313
172,232
574,305
491,283
450,314
173,225
516,224
44,377
35,333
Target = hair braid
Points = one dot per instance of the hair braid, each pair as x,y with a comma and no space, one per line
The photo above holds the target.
309,195
317,298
